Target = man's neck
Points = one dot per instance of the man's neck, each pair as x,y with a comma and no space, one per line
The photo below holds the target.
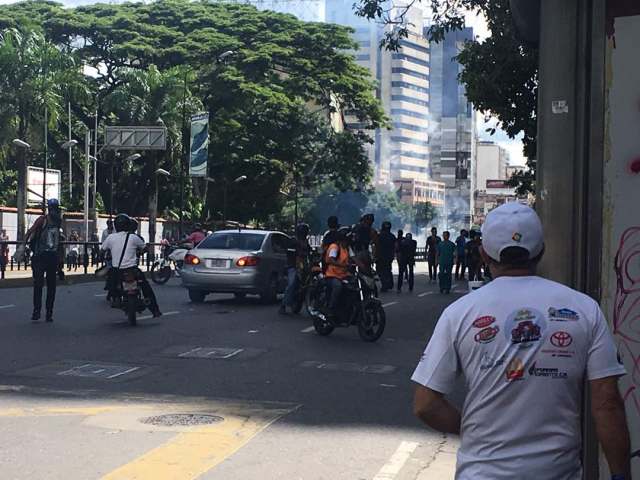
512,273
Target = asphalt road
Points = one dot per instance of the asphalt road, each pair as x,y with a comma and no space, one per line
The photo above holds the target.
250,394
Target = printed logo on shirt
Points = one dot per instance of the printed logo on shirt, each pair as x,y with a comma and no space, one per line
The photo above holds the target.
562,315
561,339
525,332
529,328
517,237
514,370
486,335
535,371
482,322
487,362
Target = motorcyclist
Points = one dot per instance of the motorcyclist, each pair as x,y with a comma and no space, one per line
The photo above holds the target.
329,237
338,260
365,240
297,256
197,235
124,246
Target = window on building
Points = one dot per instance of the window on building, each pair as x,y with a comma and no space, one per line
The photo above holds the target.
405,98
409,86
407,71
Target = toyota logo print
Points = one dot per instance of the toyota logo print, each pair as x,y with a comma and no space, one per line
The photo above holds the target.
561,339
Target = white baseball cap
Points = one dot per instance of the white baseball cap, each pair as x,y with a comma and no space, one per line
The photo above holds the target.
512,225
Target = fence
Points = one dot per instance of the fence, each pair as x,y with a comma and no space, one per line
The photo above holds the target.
86,256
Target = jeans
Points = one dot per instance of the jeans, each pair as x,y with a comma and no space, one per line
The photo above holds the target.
445,276
386,275
433,267
335,284
474,271
292,285
41,265
403,269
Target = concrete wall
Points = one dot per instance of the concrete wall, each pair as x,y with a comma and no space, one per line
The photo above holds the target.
621,221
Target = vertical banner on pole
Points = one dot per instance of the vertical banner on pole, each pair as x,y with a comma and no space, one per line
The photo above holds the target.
199,145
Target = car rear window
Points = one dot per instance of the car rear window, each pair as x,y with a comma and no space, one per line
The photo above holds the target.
233,241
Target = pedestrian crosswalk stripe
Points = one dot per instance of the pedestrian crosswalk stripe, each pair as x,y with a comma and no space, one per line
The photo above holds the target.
391,469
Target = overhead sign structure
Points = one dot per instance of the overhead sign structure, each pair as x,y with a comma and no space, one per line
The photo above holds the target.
199,145
34,184
135,138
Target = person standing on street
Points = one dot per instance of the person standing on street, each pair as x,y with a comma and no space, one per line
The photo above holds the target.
446,255
461,264
45,241
297,257
407,255
473,257
524,346
431,250
4,252
386,252
107,231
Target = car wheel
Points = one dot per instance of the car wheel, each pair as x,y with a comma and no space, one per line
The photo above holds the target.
196,296
270,293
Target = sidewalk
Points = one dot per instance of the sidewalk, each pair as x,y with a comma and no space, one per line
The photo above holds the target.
23,278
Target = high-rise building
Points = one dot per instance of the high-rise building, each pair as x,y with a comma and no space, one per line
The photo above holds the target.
452,136
491,163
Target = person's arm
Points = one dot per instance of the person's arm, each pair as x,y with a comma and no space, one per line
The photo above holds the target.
36,225
435,411
607,408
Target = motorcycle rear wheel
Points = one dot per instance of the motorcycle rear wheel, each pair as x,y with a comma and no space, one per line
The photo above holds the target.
322,327
372,326
132,310
160,275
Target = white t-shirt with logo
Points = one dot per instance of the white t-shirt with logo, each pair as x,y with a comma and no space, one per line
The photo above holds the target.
524,346
115,243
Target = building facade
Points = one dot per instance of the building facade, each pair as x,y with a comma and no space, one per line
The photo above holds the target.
491,162
452,136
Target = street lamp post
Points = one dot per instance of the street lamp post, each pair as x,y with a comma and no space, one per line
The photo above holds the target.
68,145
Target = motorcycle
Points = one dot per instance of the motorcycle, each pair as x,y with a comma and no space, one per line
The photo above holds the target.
307,277
358,306
128,295
172,261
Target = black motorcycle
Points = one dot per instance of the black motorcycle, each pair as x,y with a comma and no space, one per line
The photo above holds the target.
307,278
128,294
358,306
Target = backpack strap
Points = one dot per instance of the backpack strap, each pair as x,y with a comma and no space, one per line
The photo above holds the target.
124,247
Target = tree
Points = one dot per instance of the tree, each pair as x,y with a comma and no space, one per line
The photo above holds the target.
35,75
283,80
500,74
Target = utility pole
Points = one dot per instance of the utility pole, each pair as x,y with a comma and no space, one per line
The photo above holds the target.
87,143
46,153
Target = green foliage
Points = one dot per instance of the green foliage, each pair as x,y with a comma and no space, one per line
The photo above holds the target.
8,186
500,73
269,101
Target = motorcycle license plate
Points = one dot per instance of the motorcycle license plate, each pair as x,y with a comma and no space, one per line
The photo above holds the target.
128,286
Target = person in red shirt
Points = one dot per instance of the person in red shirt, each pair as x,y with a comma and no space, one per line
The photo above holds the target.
197,235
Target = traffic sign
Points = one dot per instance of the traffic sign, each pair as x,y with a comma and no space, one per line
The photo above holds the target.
135,138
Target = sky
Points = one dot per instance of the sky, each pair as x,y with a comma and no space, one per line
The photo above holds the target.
480,30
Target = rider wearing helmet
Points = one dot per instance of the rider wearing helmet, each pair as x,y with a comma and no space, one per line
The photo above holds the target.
124,246
45,239
297,257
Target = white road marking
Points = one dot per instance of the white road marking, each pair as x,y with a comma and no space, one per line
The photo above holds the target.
385,305
100,370
67,372
253,331
426,293
308,329
147,317
183,354
124,373
6,306
100,295
387,385
391,469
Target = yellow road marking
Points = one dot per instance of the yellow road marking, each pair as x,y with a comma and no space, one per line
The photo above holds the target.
192,453
55,411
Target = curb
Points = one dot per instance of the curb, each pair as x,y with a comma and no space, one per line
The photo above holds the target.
72,279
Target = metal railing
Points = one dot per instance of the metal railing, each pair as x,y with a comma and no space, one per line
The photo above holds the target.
86,256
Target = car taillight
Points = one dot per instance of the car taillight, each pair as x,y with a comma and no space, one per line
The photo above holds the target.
247,261
191,259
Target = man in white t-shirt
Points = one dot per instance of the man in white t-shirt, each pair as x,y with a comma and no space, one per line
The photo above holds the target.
124,246
524,346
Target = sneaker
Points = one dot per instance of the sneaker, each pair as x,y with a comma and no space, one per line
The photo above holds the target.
35,316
